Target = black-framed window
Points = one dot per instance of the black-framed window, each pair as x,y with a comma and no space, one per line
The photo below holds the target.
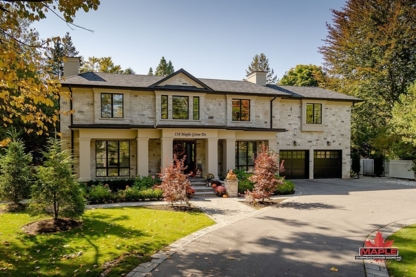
164,107
196,108
112,158
313,113
245,154
111,105
180,107
241,110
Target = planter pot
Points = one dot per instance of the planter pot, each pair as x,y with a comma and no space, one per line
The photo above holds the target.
232,187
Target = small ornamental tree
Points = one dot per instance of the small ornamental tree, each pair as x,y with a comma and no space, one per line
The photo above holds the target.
266,165
15,172
57,192
175,183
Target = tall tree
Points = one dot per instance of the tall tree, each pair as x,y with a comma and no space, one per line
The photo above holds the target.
164,68
26,83
129,70
150,73
370,51
61,49
304,75
261,63
68,46
104,64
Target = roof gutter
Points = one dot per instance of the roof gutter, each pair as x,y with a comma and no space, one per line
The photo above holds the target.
271,111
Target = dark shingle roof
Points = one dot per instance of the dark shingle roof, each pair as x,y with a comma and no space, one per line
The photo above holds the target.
100,79
313,93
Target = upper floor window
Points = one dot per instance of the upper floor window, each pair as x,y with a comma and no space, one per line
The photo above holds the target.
111,105
196,107
313,113
164,108
241,110
180,107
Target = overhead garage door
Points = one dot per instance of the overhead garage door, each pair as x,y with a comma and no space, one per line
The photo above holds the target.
327,164
296,164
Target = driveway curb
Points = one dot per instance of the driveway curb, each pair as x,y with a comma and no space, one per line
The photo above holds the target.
378,269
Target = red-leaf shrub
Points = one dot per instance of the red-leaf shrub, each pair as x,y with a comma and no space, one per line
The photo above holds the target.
265,167
175,184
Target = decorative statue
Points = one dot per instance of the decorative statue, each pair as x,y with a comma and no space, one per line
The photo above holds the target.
231,175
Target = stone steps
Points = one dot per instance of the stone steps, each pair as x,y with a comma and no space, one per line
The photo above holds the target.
199,184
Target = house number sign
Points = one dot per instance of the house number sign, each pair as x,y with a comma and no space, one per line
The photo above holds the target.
189,134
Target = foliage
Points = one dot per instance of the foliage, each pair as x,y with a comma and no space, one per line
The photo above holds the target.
244,185
405,267
115,184
164,68
144,182
26,84
174,182
370,54
266,166
62,48
104,64
150,73
100,194
261,63
15,172
57,192
304,75
129,234
135,194
356,165
379,166
288,187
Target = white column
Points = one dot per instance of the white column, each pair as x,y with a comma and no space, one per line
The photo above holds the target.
273,144
142,156
311,163
211,150
166,145
84,159
229,155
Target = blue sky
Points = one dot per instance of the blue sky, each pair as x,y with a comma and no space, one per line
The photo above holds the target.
210,39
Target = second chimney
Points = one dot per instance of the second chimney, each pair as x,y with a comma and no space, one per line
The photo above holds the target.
257,77
71,66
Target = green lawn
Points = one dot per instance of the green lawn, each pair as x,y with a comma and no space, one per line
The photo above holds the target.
405,240
105,235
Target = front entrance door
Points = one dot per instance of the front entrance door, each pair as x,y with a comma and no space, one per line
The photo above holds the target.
186,148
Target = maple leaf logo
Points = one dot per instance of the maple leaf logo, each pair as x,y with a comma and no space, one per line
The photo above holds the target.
379,241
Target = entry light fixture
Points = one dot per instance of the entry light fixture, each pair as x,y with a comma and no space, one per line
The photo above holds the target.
328,143
295,143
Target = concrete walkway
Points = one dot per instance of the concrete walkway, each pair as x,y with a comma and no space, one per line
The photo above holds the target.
309,236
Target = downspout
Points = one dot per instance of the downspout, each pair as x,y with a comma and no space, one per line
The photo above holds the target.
71,122
271,111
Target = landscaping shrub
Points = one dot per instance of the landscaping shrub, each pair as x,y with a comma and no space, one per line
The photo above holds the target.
244,185
265,168
129,194
145,182
100,194
114,185
151,194
241,174
288,187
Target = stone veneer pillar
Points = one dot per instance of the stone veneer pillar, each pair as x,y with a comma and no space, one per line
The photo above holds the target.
229,155
84,159
142,156
212,156
166,145
273,144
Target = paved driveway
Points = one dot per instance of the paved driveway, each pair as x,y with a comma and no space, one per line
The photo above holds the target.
306,237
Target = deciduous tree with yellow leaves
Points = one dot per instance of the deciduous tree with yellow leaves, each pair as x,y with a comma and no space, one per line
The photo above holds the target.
26,87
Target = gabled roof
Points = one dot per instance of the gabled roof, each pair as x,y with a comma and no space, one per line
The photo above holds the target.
313,93
183,71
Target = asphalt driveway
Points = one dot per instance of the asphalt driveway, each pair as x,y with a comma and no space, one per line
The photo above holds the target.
306,237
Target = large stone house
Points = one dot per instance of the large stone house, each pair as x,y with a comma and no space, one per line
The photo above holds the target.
128,125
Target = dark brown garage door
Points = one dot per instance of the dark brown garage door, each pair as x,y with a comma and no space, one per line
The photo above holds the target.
296,164
327,164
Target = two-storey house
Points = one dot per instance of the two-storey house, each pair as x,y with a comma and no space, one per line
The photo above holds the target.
128,125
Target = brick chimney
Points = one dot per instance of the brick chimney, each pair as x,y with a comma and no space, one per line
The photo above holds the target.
71,66
257,77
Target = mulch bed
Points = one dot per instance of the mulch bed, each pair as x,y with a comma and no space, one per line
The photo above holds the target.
50,226
261,204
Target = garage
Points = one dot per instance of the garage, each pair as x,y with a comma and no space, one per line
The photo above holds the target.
327,164
296,164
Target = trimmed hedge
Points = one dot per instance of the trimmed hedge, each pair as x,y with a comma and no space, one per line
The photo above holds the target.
288,187
101,194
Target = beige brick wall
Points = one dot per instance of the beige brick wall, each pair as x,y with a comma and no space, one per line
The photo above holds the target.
337,131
